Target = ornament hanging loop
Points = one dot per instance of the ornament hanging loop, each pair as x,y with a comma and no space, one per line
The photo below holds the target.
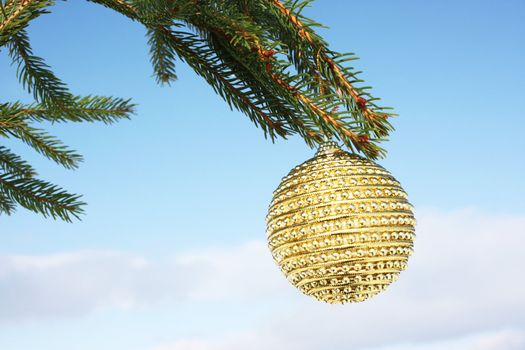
327,147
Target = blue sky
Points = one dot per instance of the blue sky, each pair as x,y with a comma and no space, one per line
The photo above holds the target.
177,196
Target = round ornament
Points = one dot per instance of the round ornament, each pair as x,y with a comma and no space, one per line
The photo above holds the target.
340,227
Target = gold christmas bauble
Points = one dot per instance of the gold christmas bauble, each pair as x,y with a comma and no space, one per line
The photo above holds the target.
340,226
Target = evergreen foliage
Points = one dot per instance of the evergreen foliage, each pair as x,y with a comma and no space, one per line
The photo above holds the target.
263,57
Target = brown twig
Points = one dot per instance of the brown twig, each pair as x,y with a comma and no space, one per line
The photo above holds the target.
14,14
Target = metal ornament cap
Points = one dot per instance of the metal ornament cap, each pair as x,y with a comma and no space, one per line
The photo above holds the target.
340,226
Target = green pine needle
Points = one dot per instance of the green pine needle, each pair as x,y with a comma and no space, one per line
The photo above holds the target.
262,57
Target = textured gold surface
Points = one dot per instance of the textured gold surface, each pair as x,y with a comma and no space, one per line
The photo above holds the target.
340,226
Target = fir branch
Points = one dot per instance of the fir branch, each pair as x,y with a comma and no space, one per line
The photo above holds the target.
43,143
204,62
243,25
40,197
281,104
35,75
18,9
263,57
121,6
162,55
252,63
12,164
346,135
243,40
338,74
54,104
16,14
7,205
82,109
190,49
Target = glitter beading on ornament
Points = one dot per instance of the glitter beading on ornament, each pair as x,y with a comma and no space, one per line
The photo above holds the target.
340,227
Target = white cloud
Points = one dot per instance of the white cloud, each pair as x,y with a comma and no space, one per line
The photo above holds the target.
76,283
71,284
465,278
191,345
497,340
245,271
463,290
494,340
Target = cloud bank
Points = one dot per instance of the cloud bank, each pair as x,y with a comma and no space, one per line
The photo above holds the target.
76,283
463,290
497,340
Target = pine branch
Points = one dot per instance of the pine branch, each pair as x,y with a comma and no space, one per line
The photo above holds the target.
18,176
54,104
263,57
243,39
82,109
44,143
190,49
7,205
204,61
35,75
352,116
16,14
12,164
49,146
162,55
331,122
330,62
40,197
256,71
120,6
282,105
